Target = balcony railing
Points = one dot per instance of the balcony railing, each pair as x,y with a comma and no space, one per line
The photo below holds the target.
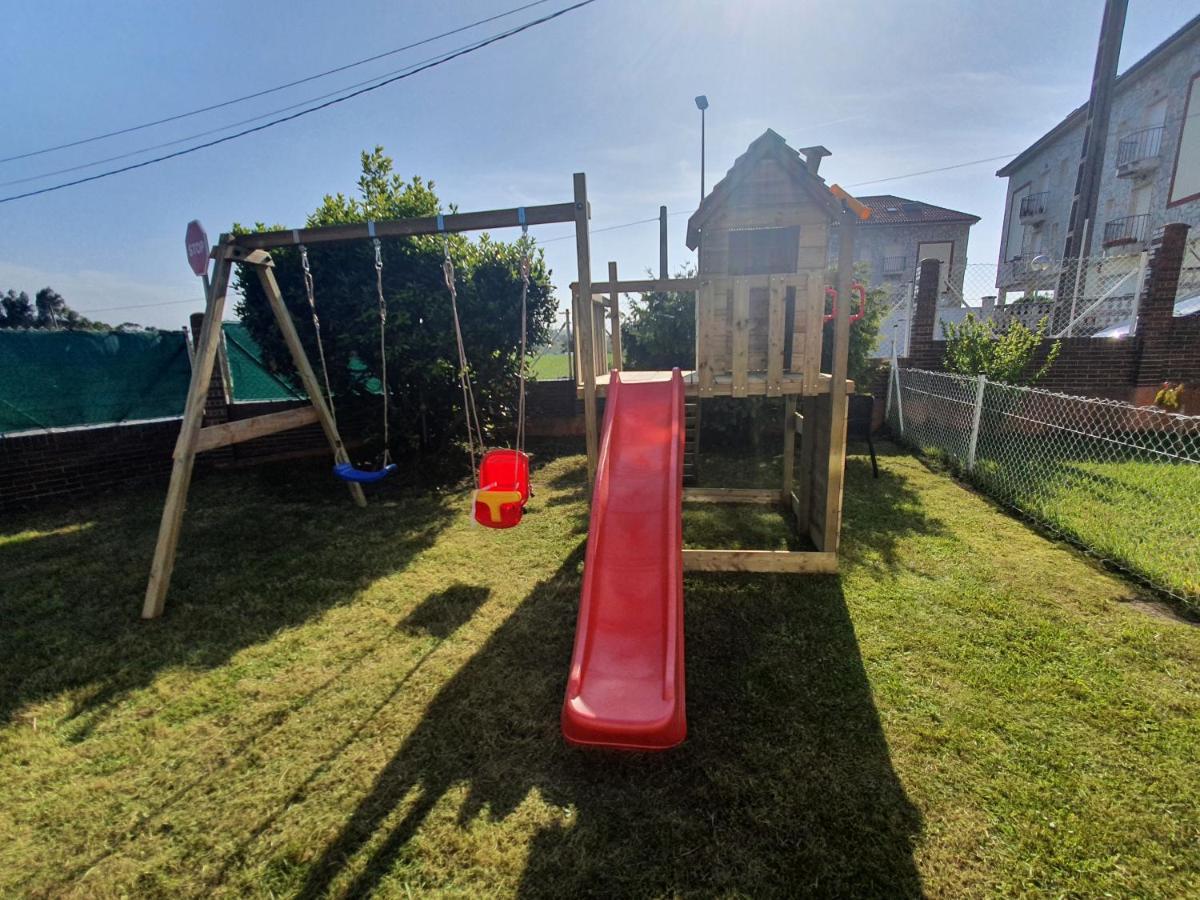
1033,206
894,265
1129,230
1139,146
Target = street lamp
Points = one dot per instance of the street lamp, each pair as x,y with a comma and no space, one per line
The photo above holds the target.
702,105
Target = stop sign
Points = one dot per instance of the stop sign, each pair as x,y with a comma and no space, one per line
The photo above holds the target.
197,247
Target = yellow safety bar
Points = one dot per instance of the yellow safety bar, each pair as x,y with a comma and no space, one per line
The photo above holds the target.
493,500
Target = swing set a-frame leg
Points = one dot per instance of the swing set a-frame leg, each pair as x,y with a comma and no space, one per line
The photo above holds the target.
193,412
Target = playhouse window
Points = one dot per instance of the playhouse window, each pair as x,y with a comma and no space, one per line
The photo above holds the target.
763,251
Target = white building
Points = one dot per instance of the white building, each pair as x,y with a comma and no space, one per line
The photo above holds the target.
1151,175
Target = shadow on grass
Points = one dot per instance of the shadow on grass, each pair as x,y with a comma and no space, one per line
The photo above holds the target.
878,513
785,783
71,600
442,613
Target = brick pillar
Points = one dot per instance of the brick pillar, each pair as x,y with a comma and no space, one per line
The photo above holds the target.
921,352
1157,304
216,406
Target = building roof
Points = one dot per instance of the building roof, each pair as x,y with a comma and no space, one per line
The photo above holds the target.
1190,31
768,145
888,209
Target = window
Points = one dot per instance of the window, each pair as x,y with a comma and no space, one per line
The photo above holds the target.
1185,181
1013,246
763,251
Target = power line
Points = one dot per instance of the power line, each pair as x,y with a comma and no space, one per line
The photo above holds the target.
199,300
974,162
567,237
408,74
271,90
217,130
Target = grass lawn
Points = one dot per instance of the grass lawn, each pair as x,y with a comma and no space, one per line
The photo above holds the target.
1138,513
341,701
550,366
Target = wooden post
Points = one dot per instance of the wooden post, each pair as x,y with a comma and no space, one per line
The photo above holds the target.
837,387
601,335
185,447
804,490
662,242
583,256
304,369
570,343
614,316
776,291
706,297
789,450
578,336
739,327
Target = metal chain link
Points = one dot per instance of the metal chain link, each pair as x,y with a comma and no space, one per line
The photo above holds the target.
1118,479
312,305
387,445
474,429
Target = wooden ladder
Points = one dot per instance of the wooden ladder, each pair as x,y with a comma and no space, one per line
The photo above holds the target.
691,447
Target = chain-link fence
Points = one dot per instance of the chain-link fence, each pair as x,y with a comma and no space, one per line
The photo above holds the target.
1120,480
1088,297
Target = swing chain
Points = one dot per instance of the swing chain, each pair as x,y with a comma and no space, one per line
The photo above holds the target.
312,305
525,266
474,428
387,446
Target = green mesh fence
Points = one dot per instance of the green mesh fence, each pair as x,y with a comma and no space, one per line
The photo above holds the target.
250,380
68,379
60,379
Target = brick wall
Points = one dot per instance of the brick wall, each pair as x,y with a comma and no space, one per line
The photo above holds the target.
1093,368
52,465
1183,351
1164,349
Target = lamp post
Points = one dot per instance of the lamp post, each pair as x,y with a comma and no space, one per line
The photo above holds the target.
702,105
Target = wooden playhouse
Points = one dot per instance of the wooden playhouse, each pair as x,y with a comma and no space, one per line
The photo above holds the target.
762,235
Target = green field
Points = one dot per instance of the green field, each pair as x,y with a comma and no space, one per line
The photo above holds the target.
549,366
343,701
1142,515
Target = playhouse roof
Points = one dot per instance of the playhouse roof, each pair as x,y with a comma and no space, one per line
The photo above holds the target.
768,145
888,209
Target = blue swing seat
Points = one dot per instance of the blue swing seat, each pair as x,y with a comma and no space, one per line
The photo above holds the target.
347,472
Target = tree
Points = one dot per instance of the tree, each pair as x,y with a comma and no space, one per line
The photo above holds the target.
18,310
422,361
659,332
975,347
51,308
48,310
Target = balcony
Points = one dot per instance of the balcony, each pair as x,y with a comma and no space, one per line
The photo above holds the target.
1128,230
895,265
1138,152
1033,208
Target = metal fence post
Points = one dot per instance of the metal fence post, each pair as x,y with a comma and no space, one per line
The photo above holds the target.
899,398
1143,260
980,385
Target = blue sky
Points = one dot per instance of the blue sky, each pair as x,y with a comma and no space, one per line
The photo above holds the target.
890,88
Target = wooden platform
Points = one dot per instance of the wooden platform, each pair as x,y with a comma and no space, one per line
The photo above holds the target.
756,384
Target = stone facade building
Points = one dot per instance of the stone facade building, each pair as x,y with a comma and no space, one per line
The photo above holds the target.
900,233
1151,173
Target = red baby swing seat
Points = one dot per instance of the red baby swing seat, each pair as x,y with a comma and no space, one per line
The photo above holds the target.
503,488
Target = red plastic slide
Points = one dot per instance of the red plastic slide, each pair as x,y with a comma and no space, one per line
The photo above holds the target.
625,688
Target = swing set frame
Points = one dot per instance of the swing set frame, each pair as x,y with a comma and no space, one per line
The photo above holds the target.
253,250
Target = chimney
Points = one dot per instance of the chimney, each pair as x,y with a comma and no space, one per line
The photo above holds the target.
813,157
